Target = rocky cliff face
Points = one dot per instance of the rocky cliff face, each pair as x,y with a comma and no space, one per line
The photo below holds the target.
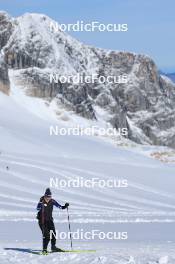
6,25
4,79
5,32
145,104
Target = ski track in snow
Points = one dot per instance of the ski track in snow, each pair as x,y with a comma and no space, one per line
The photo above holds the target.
134,255
122,203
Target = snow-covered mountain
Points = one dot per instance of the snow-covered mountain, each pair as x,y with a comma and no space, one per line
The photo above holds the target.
144,105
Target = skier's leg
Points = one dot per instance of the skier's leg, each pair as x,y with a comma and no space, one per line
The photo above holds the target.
53,236
42,230
46,234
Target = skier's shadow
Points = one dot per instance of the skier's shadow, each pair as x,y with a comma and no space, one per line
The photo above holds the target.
26,250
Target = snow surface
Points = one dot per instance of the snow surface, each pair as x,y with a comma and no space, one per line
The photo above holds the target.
145,209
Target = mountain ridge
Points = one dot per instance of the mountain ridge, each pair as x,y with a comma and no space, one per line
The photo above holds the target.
145,105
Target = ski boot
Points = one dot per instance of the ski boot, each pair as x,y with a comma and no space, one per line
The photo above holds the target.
55,249
44,252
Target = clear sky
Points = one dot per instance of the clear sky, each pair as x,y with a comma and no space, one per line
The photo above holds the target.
151,23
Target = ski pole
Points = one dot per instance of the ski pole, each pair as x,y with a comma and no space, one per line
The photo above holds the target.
69,227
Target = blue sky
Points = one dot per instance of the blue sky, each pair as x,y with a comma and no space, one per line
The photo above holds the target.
151,23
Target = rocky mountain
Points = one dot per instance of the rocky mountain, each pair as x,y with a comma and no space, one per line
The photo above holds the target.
4,80
145,104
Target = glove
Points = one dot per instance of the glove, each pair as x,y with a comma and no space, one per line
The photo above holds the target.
65,206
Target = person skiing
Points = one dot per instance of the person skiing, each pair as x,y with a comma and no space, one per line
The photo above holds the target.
45,220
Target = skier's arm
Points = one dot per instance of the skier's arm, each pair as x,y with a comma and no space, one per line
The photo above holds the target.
59,205
39,206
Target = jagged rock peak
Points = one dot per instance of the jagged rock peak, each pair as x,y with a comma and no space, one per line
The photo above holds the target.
145,104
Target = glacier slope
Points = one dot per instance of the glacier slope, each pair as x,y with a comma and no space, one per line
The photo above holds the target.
32,157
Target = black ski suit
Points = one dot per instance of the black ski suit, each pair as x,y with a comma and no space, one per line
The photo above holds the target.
45,220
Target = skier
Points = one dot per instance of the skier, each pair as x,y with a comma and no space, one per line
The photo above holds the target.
45,219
